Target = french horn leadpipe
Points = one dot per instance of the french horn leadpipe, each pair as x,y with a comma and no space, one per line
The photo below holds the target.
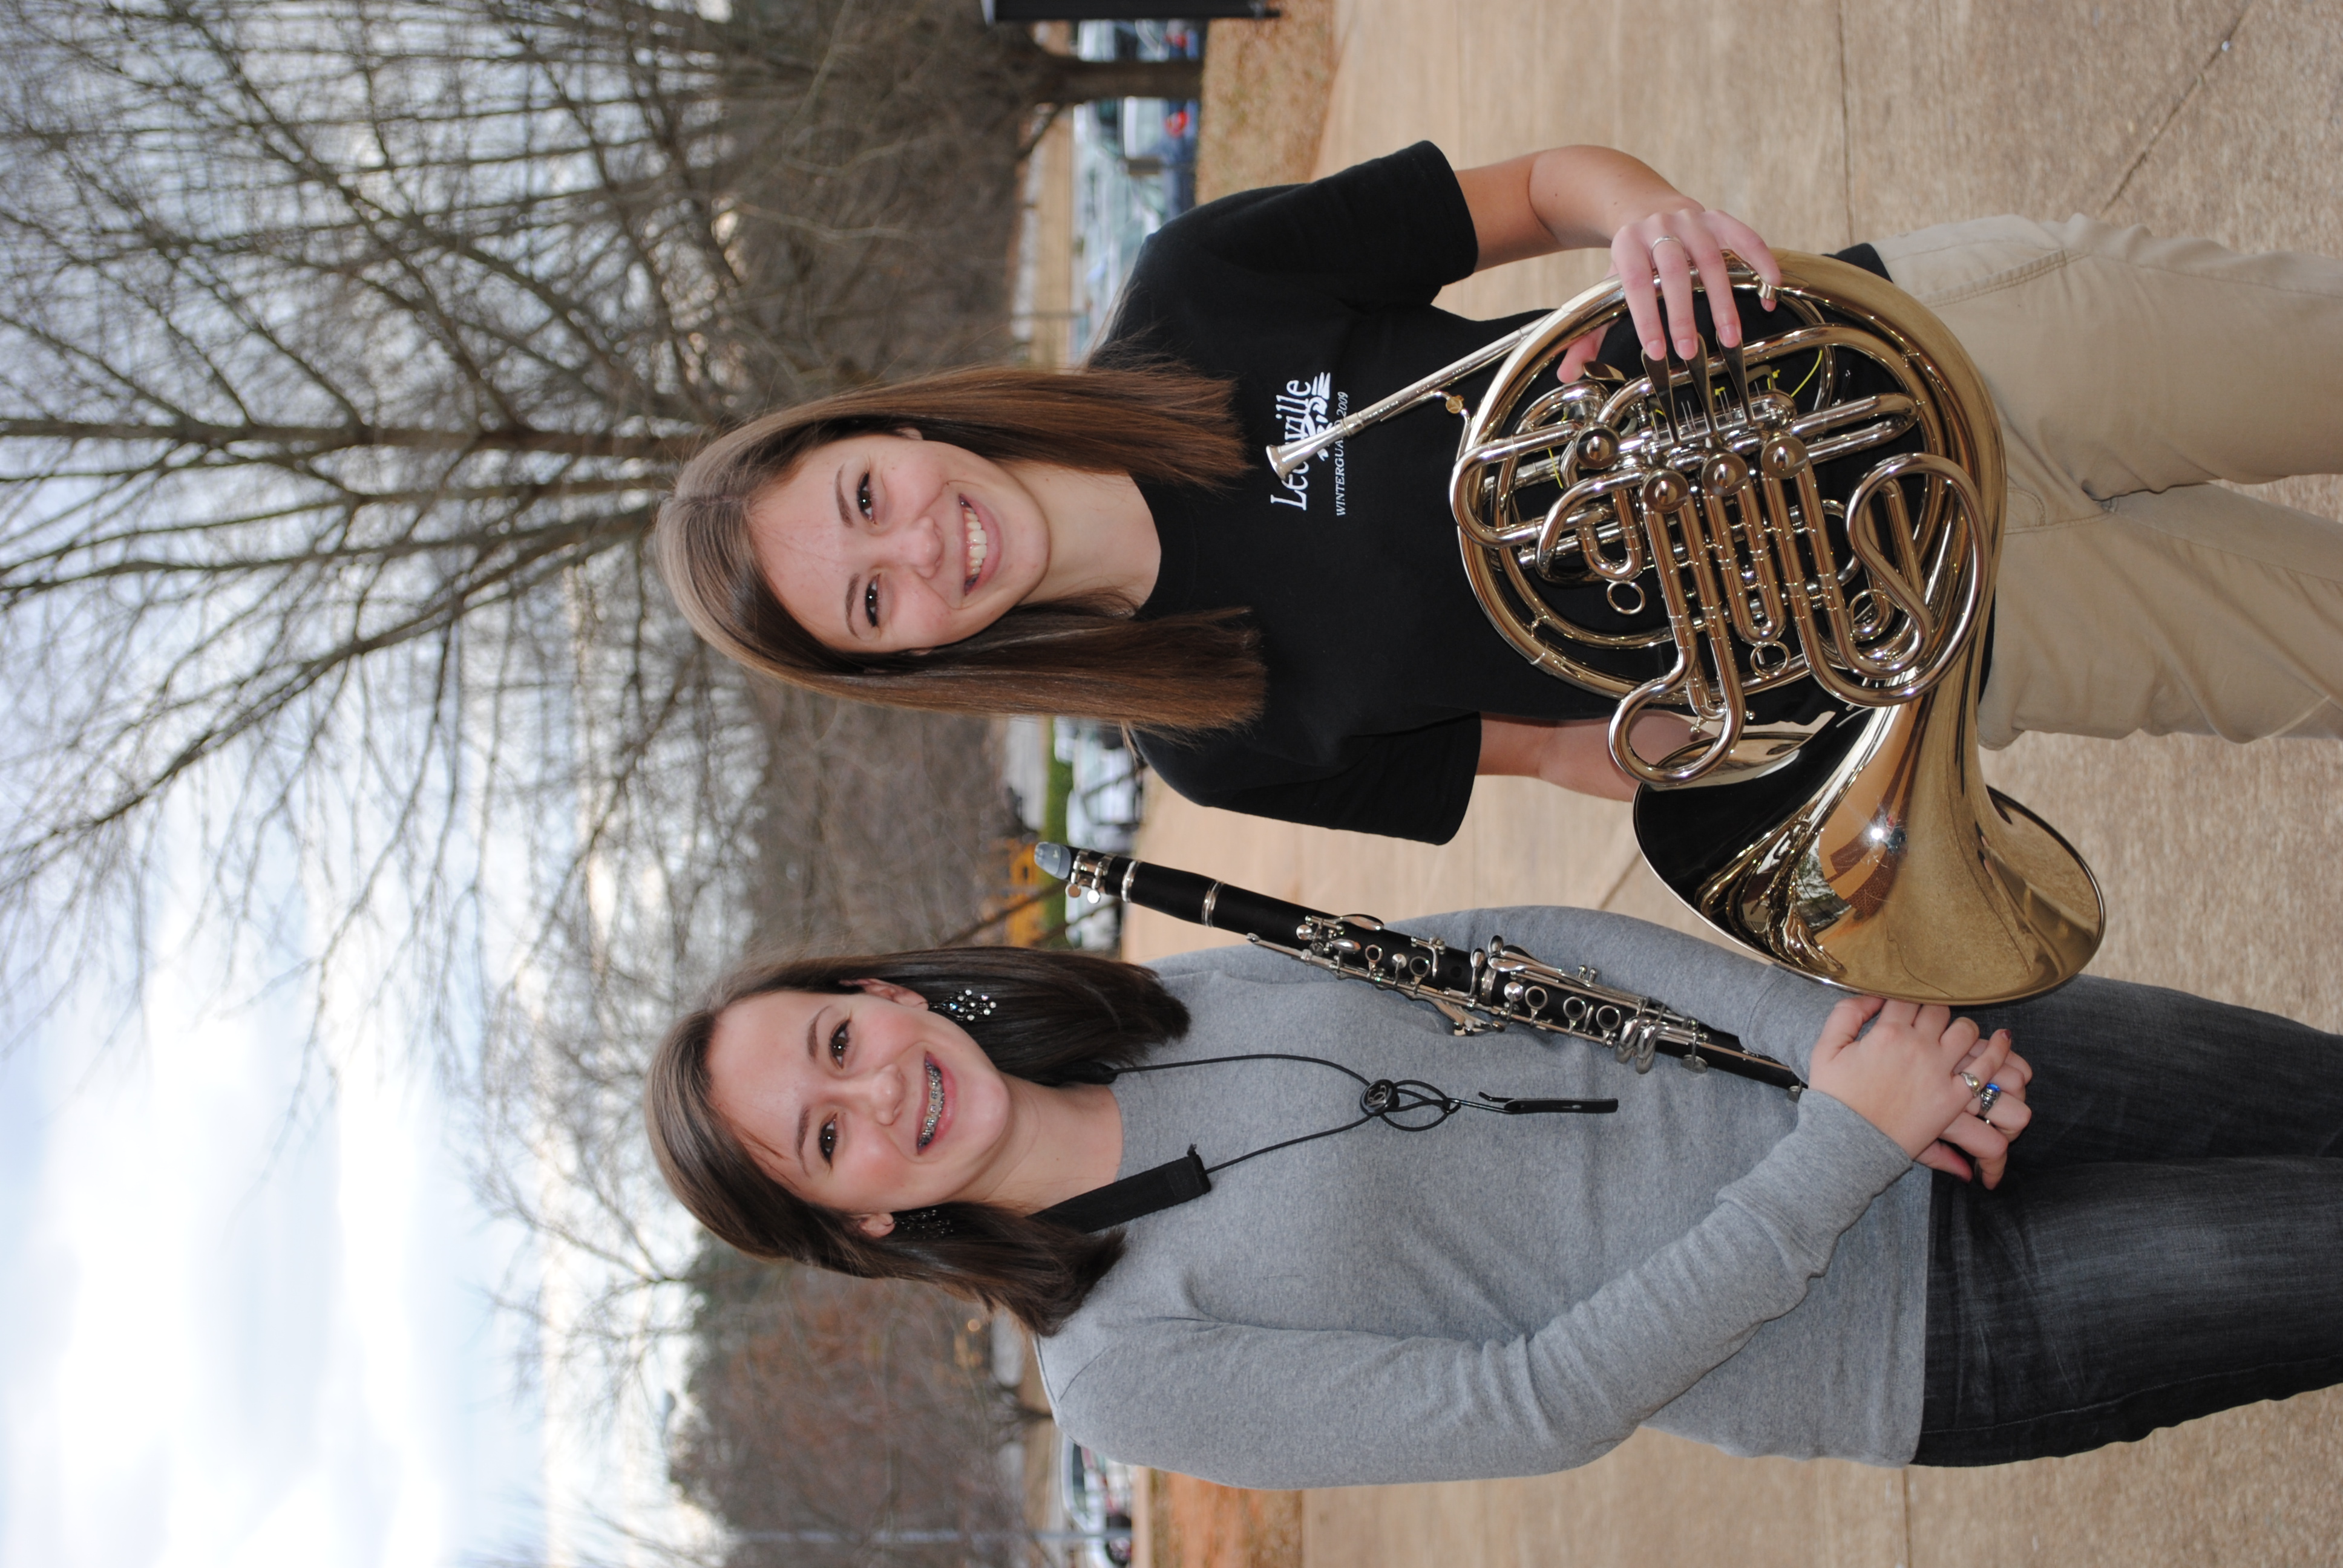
1479,990
1821,503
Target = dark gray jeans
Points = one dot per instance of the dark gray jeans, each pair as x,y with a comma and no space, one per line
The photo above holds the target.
2168,1242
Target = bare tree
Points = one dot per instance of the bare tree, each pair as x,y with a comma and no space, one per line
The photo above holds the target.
345,346
348,346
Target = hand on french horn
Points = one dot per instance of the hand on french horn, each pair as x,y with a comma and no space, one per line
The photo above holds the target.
1657,257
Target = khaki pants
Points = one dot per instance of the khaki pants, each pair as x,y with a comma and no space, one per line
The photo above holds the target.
2130,372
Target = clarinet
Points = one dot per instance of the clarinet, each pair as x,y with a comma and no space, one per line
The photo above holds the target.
1477,989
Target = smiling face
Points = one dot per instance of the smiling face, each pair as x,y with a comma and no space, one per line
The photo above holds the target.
865,1102
890,544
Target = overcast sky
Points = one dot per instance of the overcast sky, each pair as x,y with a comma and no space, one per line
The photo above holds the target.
236,1332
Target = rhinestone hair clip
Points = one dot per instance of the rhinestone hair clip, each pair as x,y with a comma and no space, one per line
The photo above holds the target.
969,1006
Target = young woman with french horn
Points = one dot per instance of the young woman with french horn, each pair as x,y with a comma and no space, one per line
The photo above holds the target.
1560,1249
1109,542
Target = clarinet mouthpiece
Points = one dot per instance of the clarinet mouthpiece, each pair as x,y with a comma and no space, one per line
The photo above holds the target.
1055,859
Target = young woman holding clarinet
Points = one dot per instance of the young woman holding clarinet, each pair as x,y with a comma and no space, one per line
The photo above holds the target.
1275,1227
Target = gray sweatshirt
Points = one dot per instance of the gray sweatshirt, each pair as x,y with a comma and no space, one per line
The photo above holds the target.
1501,1295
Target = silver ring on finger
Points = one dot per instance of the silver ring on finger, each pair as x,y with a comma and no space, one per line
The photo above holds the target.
1975,1086
1653,249
1986,1098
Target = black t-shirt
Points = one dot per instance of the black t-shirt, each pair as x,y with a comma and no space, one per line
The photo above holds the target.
1315,300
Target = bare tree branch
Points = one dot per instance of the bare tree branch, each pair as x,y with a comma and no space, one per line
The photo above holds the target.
345,349
316,440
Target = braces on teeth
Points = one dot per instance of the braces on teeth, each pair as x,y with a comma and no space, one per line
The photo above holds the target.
935,1103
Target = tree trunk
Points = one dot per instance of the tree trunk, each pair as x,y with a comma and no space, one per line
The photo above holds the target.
1063,79
308,440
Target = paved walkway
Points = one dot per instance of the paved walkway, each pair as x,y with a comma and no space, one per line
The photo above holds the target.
1823,124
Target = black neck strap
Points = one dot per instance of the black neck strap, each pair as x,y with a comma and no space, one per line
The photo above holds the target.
1167,1186
1408,1105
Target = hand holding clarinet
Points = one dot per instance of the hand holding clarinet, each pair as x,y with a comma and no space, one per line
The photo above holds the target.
1951,1098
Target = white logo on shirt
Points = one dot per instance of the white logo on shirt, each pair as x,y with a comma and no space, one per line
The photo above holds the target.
1301,407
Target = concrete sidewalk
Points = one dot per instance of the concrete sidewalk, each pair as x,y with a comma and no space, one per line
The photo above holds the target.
1824,124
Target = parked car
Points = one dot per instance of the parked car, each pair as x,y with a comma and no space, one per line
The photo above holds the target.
1098,1501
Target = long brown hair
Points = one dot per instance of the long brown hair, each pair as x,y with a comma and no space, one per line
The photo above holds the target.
1057,1017
1081,658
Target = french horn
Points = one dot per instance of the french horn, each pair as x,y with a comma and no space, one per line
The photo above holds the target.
1821,504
